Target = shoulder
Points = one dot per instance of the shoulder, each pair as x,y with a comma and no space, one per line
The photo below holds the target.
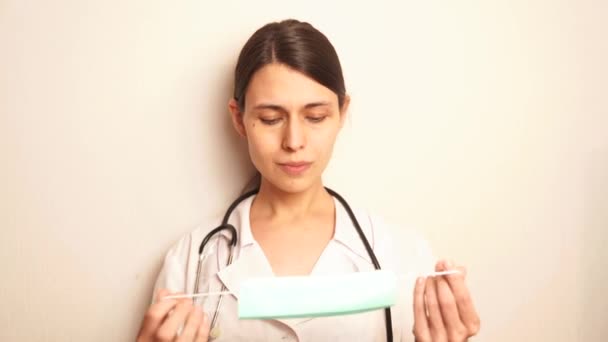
187,243
181,258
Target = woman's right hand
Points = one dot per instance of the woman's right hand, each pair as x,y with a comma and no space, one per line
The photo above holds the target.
165,317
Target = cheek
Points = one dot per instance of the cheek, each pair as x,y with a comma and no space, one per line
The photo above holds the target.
261,146
324,143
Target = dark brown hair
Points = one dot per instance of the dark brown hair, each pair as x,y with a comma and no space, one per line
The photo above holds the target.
295,44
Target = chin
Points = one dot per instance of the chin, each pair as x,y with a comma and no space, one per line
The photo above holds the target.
292,185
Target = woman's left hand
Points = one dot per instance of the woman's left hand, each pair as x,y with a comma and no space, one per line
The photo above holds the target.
443,308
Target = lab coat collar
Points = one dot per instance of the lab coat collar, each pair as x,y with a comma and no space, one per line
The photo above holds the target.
250,263
249,260
346,234
242,213
240,220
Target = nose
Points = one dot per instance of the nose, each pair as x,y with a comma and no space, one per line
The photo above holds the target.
294,138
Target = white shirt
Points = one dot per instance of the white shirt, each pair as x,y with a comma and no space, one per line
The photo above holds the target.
344,253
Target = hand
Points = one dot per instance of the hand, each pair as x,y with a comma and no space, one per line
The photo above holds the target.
443,308
165,317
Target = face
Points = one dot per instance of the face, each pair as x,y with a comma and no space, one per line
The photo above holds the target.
291,123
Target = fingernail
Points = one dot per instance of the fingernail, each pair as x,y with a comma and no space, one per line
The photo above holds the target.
450,264
420,280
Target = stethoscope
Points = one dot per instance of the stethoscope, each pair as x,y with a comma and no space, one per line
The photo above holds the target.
233,240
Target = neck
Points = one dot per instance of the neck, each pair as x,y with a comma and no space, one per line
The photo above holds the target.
273,202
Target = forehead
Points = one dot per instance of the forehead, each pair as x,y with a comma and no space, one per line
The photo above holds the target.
282,85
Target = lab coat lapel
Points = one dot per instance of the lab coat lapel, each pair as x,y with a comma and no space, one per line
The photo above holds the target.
346,234
250,263
249,260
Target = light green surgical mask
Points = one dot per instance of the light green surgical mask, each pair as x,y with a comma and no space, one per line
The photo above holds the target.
316,296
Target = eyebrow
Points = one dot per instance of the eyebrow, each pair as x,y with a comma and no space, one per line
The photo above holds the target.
283,109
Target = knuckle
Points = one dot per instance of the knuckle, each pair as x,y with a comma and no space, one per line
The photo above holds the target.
458,334
198,311
186,303
463,299
440,337
432,304
153,315
457,338
203,332
164,335
421,336
445,301
196,316
473,327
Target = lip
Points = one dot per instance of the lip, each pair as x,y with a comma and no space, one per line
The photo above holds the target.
295,168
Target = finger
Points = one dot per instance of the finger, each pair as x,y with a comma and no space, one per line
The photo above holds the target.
155,316
168,330
160,294
464,302
436,325
449,265
440,266
203,330
421,326
193,321
455,329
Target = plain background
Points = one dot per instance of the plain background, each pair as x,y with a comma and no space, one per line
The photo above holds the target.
482,123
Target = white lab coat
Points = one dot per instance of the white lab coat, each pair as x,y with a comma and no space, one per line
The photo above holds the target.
409,254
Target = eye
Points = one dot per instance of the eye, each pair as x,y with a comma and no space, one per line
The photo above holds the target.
270,122
316,118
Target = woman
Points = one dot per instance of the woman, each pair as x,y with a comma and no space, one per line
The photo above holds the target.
289,104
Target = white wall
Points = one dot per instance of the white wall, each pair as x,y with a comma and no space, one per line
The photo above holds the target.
483,123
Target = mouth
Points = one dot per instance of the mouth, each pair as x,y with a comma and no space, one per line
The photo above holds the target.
295,168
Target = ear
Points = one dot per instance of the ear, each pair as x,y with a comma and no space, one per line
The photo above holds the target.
237,117
344,110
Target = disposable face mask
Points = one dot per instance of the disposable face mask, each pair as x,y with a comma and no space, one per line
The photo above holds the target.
315,296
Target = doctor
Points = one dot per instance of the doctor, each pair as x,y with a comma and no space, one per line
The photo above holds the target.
289,104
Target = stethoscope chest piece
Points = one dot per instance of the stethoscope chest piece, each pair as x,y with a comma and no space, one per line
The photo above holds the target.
215,332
